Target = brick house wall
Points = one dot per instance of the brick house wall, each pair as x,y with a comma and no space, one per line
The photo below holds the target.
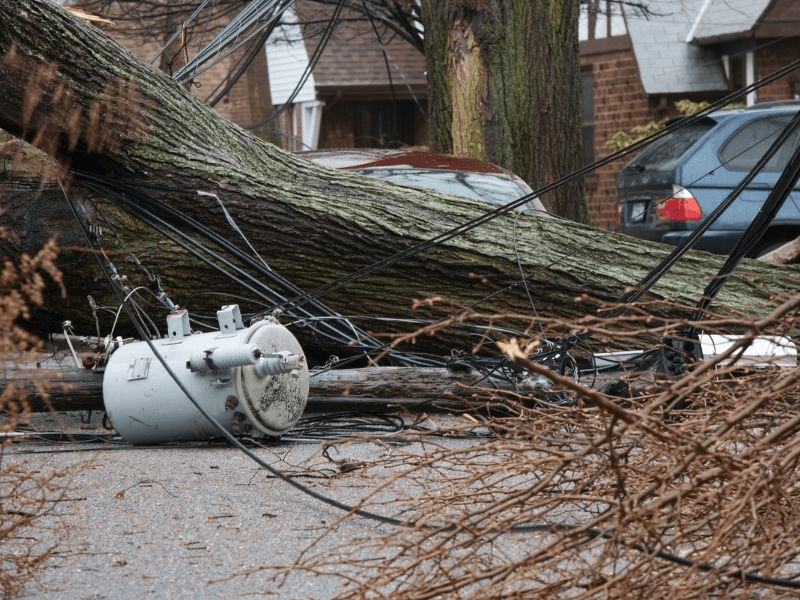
769,59
619,102
248,101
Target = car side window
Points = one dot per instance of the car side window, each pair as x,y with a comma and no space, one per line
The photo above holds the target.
745,147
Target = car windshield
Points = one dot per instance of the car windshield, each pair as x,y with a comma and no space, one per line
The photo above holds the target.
489,187
663,154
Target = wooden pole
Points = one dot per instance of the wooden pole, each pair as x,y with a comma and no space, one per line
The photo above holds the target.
54,382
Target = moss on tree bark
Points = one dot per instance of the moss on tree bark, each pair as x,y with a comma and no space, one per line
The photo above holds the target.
504,82
97,109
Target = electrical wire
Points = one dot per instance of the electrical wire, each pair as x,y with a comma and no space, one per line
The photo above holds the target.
781,190
227,435
233,36
672,258
506,331
312,62
163,207
459,230
180,30
125,300
154,212
314,295
356,510
235,227
239,68
344,426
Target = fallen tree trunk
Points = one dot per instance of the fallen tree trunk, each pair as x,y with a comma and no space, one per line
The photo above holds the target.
131,133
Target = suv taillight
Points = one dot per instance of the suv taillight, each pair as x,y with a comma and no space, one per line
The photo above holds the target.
681,206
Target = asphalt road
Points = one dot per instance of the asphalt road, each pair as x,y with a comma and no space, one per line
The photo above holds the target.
191,521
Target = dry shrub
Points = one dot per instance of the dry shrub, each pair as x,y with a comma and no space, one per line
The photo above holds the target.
660,487
28,525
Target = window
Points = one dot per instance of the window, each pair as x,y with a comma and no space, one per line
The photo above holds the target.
752,141
384,124
663,154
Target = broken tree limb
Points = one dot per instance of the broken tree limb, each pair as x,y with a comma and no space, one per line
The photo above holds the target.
130,130
785,254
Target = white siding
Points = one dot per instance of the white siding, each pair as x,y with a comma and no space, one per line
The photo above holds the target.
287,60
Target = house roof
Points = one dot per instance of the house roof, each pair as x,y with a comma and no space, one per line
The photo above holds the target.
353,60
781,19
721,21
667,63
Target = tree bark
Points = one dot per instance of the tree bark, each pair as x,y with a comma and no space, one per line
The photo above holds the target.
504,86
98,110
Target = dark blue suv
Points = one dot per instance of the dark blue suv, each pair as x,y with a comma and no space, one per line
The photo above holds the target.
673,184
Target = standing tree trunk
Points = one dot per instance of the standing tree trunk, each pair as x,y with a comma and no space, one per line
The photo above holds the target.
73,92
504,86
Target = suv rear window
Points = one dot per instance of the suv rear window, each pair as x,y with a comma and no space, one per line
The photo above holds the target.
663,154
743,150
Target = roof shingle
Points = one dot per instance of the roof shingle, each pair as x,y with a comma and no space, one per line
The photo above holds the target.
354,58
667,63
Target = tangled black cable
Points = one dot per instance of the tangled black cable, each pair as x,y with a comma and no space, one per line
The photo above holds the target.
344,426
232,36
437,240
171,223
355,510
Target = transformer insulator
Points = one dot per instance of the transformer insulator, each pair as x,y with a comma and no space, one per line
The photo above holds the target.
278,363
226,357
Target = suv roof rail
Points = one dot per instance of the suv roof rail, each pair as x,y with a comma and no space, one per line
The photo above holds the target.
775,104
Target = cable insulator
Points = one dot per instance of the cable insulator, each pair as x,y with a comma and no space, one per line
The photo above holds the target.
217,359
278,363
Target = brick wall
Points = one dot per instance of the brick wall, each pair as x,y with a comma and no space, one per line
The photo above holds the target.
775,56
248,101
619,104
243,104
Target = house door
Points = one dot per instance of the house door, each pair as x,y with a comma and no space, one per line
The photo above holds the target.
384,124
